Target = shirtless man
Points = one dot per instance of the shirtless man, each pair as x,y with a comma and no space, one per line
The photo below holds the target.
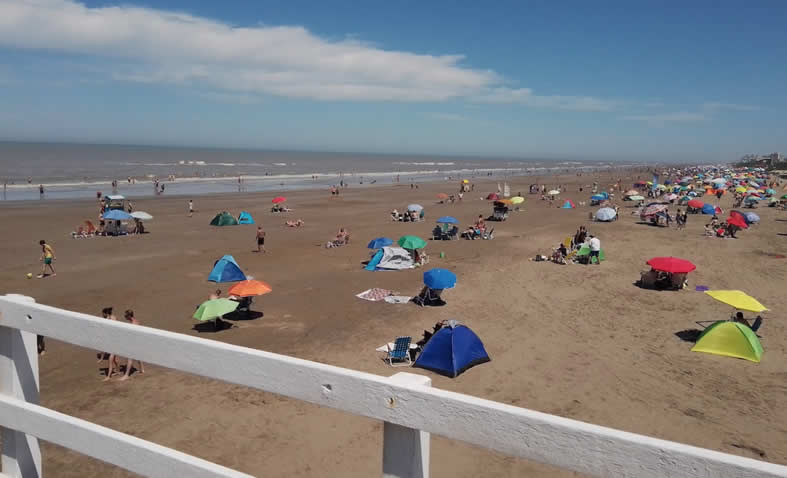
260,239
47,257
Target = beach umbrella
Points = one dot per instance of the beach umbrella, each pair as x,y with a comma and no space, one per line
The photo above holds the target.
415,207
379,242
447,220
671,196
505,202
740,189
492,197
631,192
653,209
637,198
439,279
751,218
442,196
673,265
249,288
695,203
752,198
278,200
684,188
215,308
141,215
597,197
605,214
517,200
738,221
116,215
708,209
770,191
553,192
738,299
683,199
411,242
784,196
465,181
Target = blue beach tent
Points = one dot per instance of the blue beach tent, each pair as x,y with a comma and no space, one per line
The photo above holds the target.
379,242
245,218
226,270
452,350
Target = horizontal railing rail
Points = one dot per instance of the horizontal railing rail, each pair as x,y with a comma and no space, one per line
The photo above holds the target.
409,404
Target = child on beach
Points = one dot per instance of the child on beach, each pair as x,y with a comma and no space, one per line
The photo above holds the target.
260,239
129,316
47,257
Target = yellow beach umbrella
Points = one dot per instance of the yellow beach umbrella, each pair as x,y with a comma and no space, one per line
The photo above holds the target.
740,189
738,299
517,200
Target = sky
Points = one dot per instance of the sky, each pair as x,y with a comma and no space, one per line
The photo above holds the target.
668,80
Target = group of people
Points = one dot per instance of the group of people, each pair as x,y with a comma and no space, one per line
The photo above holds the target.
716,228
407,216
475,230
566,252
112,359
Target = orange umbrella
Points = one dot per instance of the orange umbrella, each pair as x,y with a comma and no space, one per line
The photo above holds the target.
279,199
505,201
249,288
442,196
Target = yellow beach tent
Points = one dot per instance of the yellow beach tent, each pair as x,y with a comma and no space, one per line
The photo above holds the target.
731,339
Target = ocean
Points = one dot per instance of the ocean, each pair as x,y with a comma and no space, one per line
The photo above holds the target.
71,171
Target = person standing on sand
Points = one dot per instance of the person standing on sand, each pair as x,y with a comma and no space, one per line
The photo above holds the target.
129,315
106,312
47,257
191,208
595,250
260,240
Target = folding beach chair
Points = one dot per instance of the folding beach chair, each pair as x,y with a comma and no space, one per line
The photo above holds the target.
399,355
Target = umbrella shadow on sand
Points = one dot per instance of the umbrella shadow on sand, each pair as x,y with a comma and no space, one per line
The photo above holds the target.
211,326
243,315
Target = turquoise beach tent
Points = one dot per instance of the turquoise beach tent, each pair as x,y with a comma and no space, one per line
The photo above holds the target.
226,270
568,205
245,218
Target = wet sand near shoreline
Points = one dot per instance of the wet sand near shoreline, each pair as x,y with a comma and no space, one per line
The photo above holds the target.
578,341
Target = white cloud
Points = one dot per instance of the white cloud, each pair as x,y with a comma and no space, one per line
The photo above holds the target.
154,46
525,96
728,106
667,117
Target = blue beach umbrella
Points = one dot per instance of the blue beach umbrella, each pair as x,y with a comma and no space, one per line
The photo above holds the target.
117,215
439,279
447,220
414,207
751,218
598,197
379,242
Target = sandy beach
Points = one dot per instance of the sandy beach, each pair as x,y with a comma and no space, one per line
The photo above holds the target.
582,342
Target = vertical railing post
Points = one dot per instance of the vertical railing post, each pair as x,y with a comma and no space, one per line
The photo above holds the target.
21,455
405,450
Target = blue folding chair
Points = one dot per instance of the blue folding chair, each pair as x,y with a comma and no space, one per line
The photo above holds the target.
400,353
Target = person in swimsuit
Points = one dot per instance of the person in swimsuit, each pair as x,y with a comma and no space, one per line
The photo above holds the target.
47,257
129,315
113,366
260,239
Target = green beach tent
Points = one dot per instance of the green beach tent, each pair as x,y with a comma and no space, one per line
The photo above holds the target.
585,250
731,339
224,219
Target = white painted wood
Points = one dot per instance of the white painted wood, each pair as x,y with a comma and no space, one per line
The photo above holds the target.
405,450
126,451
21,455
557,441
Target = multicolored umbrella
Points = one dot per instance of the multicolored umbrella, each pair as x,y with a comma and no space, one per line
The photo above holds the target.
653,209
738,299
673,265
517,200
249,288
215,308
411,242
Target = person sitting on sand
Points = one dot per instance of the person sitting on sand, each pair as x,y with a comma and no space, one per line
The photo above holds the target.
297,223
480,223
215,295
342,238
738,317
395,215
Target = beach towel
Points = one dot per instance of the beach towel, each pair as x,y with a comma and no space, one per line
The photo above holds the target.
701,288
397,299
374,294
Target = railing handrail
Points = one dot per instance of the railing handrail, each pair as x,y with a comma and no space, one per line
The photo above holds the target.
558,441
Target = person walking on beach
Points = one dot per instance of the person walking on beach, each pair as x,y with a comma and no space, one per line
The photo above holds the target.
47,257
129,315
191,208
106,313
260,239
41,191
595,250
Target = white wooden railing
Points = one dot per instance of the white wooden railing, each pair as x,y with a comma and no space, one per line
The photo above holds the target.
409,407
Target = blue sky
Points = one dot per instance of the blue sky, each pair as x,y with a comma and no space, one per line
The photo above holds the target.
622,80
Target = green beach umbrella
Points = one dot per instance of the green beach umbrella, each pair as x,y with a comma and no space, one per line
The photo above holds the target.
411,242
215,308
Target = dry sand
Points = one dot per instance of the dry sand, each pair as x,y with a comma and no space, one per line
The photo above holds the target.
577,341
